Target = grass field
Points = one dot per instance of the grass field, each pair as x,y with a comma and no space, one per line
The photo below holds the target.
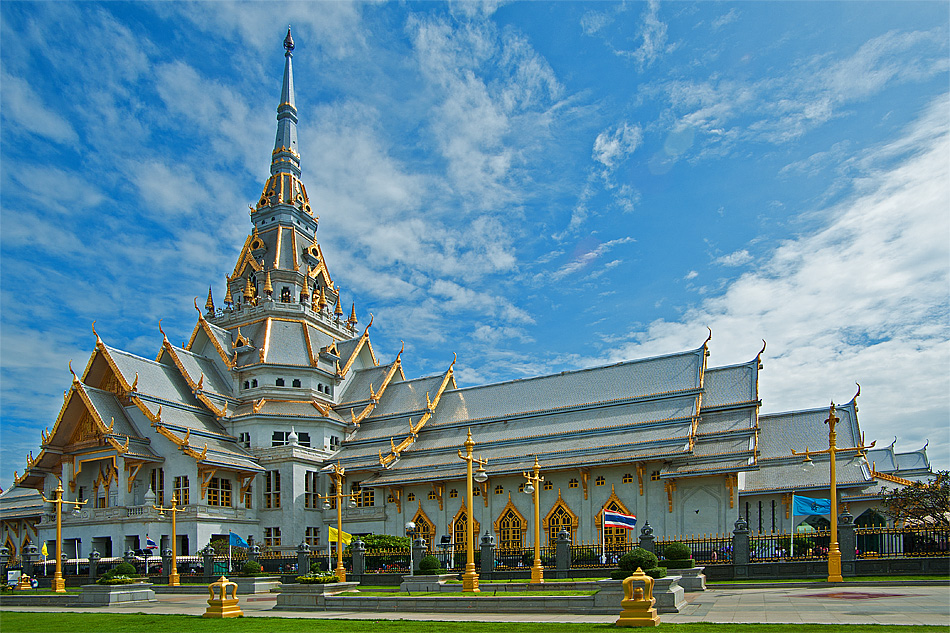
13,622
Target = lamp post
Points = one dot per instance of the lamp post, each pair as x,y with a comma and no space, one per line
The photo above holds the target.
59,585
834,554
173,578
470,578
411,532
336,471
534,486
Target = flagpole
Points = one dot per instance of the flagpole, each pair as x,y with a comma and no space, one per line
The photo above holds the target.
791,542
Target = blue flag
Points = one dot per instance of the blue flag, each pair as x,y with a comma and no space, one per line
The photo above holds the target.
235,540
805,506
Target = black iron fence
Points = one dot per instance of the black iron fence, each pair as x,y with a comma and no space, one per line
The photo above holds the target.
916,541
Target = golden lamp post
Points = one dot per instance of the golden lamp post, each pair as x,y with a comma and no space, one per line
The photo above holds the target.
336,471
59,585
173,578
534,486
470,578
834,554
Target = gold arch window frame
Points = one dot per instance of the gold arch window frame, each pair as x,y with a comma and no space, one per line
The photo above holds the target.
455,528
575,520
421,518
614,535
501,528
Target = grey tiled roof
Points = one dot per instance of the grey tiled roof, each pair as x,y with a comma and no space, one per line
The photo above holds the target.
18,503
358,388
196,366
156,379
730,385
787,475
109,409
407,396
346,349
779,433
287,345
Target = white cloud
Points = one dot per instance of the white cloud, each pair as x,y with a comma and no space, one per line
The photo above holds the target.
24,109
864,299
691,275
652,35
737,258
585,258
613,146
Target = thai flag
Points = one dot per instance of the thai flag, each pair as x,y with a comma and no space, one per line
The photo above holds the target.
616,519
150,544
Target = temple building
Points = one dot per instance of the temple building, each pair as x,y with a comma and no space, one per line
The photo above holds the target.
281,379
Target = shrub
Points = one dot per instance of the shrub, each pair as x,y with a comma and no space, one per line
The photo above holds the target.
124,569
677,551
638,557
656,572
653,572
317,568
679,563
117,580
430,563
251,568
317,579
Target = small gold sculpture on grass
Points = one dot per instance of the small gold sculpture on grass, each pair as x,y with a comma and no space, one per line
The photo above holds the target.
24,583
638,602
220,605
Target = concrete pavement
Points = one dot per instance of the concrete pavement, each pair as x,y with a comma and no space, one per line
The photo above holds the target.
853,604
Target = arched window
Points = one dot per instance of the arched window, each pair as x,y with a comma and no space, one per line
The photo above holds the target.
411,496
499,490
247,385
254,382
628,478
320,387
453,493
285,295
549,485
460,530
572,483
296,382
280,382
600,481
616,537
424,528
560,518
510,535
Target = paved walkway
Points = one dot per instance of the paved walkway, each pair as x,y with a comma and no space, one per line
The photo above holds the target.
825,605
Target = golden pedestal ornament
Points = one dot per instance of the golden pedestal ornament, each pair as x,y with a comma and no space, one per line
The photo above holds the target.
220,605
638,605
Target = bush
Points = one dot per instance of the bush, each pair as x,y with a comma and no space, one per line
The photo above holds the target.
679,563
430,563
638,557
653,572
677,551
117,580
123,569
317,579
251,568
317,568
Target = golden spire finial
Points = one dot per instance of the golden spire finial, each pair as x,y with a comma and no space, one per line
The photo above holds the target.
268,288
338,310
352,320
227,295
209,304
248,290
305,287
322,302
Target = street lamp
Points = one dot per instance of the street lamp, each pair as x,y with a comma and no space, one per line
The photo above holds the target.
173,578
533,486
411,532
336,471
59,585
470,578
834,554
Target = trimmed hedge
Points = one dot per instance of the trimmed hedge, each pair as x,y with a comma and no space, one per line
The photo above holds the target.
251,568
638,557
679,563
677,551
120,580
654,572
312,579
430,564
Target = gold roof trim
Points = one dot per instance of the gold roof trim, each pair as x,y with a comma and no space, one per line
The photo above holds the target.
306,338
891,478
202,324
364,340
244,259
374,397
386,461
195,388
293,243
280,232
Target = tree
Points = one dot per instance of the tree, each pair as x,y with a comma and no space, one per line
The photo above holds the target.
922,502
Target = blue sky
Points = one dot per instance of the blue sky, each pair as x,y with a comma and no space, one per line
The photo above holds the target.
535,186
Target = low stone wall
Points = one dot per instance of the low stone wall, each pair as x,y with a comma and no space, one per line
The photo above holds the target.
115,595
307,597
24,599
247,585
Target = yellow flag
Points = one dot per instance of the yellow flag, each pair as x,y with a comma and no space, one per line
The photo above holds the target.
45,551
335,539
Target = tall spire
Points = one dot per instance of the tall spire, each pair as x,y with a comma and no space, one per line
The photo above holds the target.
285,158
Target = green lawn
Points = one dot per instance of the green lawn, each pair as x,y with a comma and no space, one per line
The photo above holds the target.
13,622
483,593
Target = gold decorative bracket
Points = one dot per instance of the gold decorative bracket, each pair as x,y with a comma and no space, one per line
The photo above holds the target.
133,468
670,486
641,468
585,479
438,489
205,474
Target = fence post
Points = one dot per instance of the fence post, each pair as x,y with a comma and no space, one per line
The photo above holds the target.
207,556
303,558
4,557
166,562
418,551
487,556
29,558
359,559
562,554
646,538
740,549
94,557
253,550
847,543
